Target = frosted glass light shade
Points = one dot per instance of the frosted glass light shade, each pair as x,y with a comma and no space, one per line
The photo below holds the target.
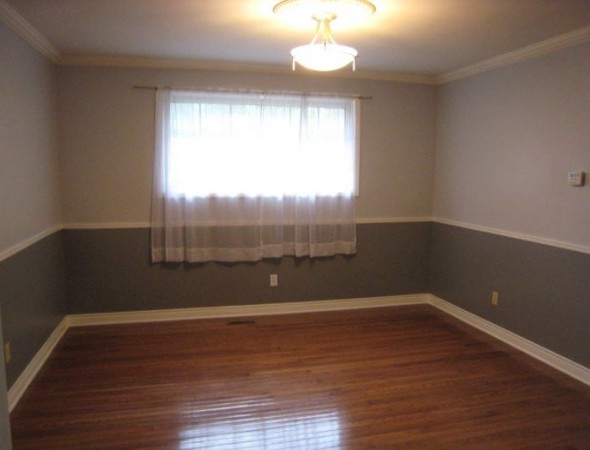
324,57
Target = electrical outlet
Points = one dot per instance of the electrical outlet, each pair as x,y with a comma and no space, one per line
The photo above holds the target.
7,353
495,298
274,280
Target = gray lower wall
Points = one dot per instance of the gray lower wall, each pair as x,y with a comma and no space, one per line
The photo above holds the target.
32,298
109,270
544,291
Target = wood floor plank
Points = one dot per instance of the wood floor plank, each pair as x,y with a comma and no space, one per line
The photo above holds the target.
405,377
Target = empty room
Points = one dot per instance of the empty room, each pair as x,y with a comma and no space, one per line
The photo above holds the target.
296,224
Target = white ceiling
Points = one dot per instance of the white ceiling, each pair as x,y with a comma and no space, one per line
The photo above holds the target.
429,37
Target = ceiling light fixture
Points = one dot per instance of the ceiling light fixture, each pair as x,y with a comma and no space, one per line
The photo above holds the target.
323,53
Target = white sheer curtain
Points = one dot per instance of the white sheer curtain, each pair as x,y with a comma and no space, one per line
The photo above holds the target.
241,177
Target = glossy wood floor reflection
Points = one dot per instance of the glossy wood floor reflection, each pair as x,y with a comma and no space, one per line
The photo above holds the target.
406,377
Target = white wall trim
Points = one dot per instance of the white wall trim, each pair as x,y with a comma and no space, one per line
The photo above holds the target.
538,352
369,220
562,41
106,225
191,64
28,374
529,52
374,220
544,355
125,225
212,312
13,250
26,31
515,235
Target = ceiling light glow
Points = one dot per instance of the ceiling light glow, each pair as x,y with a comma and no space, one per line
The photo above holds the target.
323,53
350,13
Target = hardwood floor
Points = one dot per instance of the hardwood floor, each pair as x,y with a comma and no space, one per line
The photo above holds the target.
405,377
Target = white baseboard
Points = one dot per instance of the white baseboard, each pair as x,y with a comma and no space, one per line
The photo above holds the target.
544,355
26,377
212,312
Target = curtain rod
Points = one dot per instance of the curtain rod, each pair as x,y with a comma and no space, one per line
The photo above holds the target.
254,91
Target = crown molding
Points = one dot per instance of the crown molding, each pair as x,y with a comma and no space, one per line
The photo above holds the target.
190,64
529,52
25,30
164,63
562,41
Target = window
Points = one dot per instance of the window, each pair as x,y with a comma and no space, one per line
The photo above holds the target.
240,177
230,145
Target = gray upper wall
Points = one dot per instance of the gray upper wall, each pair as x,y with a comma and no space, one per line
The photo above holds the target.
29,168
29,203
506,140
106,131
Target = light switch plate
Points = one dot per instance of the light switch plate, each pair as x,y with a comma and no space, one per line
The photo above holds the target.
576,178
